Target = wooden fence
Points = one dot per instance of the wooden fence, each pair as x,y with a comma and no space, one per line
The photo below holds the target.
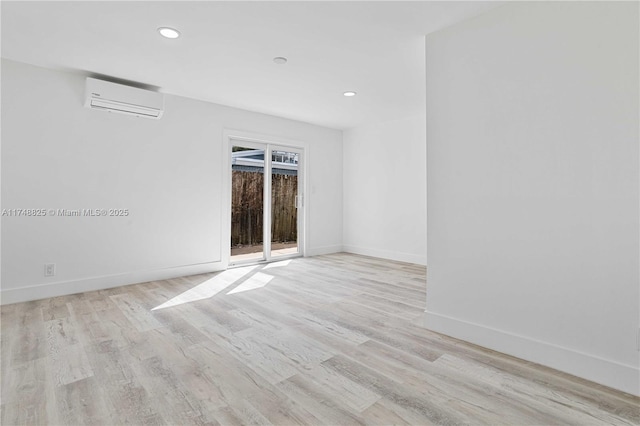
247,208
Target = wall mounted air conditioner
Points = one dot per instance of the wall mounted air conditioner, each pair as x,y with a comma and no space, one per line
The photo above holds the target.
112,97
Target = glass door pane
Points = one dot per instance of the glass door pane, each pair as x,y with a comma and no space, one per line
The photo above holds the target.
284,202
247,203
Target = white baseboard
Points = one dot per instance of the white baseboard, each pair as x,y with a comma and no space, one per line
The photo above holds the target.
317,251
387,254
63,288
606,372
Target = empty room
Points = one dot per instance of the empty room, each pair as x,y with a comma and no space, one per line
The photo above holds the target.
320,213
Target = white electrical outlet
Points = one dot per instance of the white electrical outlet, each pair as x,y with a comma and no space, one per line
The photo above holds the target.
49,269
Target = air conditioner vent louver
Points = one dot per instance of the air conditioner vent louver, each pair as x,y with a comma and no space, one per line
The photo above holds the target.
112,97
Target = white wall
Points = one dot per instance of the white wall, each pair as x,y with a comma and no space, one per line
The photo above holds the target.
532,130
57,154
385,201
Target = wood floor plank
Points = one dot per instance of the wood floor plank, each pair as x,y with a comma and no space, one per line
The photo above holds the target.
264,360
77,404
328,340
55,308
255,320
80,304
549,404
67,356
352,394
69,364
139,315
295,346
248,414
317,401
28,394
279,409
132,404
29,337
172,399
378,414
428,405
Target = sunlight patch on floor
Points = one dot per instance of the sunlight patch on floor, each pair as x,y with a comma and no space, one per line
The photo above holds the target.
258,280
278,264
209,288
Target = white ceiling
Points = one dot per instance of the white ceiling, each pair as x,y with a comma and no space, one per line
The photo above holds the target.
226,50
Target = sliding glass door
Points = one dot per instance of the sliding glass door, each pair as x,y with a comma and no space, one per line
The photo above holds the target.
266,201
284,201
247,202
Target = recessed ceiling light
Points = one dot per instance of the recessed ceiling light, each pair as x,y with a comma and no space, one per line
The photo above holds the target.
169,32
280,60
349,93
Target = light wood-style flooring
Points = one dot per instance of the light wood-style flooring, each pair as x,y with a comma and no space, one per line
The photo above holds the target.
328,340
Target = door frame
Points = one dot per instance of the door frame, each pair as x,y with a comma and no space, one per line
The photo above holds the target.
236,137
